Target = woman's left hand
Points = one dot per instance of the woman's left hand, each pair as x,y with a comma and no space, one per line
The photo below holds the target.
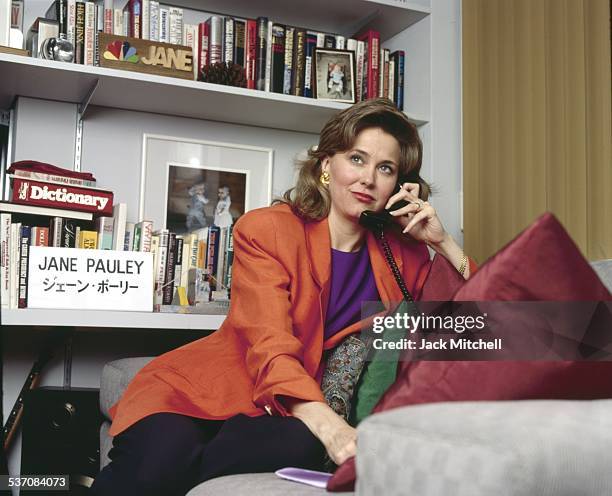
418,218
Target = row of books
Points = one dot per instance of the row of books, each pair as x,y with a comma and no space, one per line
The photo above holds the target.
189,269
276,57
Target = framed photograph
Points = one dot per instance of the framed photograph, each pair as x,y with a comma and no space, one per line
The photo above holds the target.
334,75
188,184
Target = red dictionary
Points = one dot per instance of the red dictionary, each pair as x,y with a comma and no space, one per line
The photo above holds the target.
203,42
372,38
251,52
42,194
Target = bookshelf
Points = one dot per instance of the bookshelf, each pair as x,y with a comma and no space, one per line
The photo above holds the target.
98,318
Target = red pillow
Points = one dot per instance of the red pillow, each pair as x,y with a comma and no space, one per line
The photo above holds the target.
541,264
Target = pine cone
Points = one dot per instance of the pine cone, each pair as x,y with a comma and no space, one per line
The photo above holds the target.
229,74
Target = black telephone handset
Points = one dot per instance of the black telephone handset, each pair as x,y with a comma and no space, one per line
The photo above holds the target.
377,221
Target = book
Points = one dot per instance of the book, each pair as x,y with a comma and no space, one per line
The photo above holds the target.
391,94
277,70
383,84
90,29
228,44
340,42
99,29
168,289
118,22
5,22
145,233
203,45
329,41
68,236
398,73
190,39
24,254
211,262
126,23
260,60
134,11
119,223
88,240
178,263
239,42
146,20
251,53
79,33
311,43
288,60
108,16
53,178
5,250
128,239
49,212
175,25
154,20
372,56
56,225
164,25
40,236
215,48
297,85
14,245
269,57
104,228
70,26
159,268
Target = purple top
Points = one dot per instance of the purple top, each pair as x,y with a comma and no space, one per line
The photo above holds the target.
352,283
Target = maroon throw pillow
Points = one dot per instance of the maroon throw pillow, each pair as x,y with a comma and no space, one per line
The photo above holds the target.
541,264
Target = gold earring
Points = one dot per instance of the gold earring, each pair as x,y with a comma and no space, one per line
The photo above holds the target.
324,178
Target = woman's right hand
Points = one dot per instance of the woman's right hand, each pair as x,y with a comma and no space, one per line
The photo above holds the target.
338,437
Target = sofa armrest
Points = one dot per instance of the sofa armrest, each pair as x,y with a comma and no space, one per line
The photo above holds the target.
115,378
484,448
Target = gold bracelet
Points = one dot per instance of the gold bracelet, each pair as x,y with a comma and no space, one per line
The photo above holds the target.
463,266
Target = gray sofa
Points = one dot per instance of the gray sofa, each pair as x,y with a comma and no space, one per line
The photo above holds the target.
480,448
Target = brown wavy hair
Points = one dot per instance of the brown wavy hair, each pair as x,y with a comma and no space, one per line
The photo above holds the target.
309,198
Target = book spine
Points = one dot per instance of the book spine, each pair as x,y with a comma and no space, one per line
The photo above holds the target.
230,258
213,249
311,43
277,72
340,42
219,276
90,27
118,22
68,236
359,63
62,17
40,236
146,233
190,39
330,41
145,20
399,79
79,33
239,42
384,66
160,269
5,255
178,262
185,264
99,29
14,264
104,228
228,53
216,39
391,94
175,19
71,23
373,62
169,277
128,239
108,16
260,63
251,53
119,225
88,240
24,256
203,44
55,230
269,57
300,62
164,28
36,193
154,20
288,60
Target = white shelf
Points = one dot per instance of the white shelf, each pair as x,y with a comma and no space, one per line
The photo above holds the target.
59,81
99,318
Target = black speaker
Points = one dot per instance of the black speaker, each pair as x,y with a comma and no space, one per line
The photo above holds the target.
61,434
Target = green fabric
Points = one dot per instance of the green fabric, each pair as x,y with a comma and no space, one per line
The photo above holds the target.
380,373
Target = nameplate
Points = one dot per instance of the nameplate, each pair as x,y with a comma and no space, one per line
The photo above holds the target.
71,278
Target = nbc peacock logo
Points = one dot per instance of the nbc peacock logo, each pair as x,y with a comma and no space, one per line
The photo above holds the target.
121,51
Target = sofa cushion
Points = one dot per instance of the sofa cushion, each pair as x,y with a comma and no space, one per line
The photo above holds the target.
548,448
266,484
116,376
541,264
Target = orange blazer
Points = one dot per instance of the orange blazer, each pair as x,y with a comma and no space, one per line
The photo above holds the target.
271,342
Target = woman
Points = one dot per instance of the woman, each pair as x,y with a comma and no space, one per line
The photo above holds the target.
247,398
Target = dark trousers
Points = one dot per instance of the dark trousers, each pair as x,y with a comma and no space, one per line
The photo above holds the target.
168,454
